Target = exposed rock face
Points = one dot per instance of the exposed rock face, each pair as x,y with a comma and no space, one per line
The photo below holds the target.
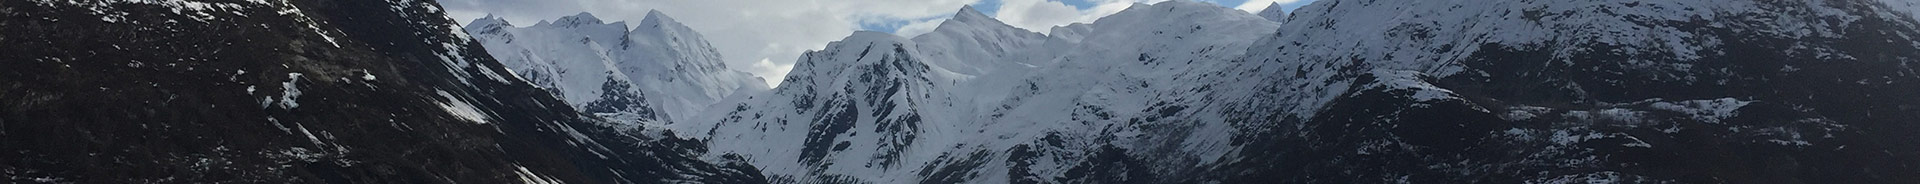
1362,91
295,92
1565,91
976,100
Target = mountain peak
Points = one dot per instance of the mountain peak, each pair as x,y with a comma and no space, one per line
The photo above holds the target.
874,37
969,14
491,19
970,17
861,41
970,39
655,18
583,18
857,48
488,22
1274,13
657,15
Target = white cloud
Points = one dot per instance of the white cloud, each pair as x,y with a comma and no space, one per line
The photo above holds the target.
1043,15
1254,6
919,27
1037,15
775,69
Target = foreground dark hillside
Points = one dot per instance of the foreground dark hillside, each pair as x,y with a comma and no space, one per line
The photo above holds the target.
1793,91
294,92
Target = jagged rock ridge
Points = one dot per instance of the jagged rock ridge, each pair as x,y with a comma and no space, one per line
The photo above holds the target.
295,92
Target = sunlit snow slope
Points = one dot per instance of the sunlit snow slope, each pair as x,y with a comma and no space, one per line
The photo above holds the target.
652,72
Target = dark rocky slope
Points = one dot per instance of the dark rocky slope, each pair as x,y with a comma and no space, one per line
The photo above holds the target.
294,92
1594,91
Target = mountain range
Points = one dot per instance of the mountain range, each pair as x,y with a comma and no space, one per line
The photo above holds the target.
1338,91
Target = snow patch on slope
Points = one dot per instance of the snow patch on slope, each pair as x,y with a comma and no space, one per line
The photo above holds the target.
199,11
460,108
1410,81
290,90
528,177
1704,110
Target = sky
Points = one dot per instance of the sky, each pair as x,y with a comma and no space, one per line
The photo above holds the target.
765,37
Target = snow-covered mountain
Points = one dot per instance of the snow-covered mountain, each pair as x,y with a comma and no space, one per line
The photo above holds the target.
884,109
1339,91
277,91
655,70
1274,13
972,43
1357,91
